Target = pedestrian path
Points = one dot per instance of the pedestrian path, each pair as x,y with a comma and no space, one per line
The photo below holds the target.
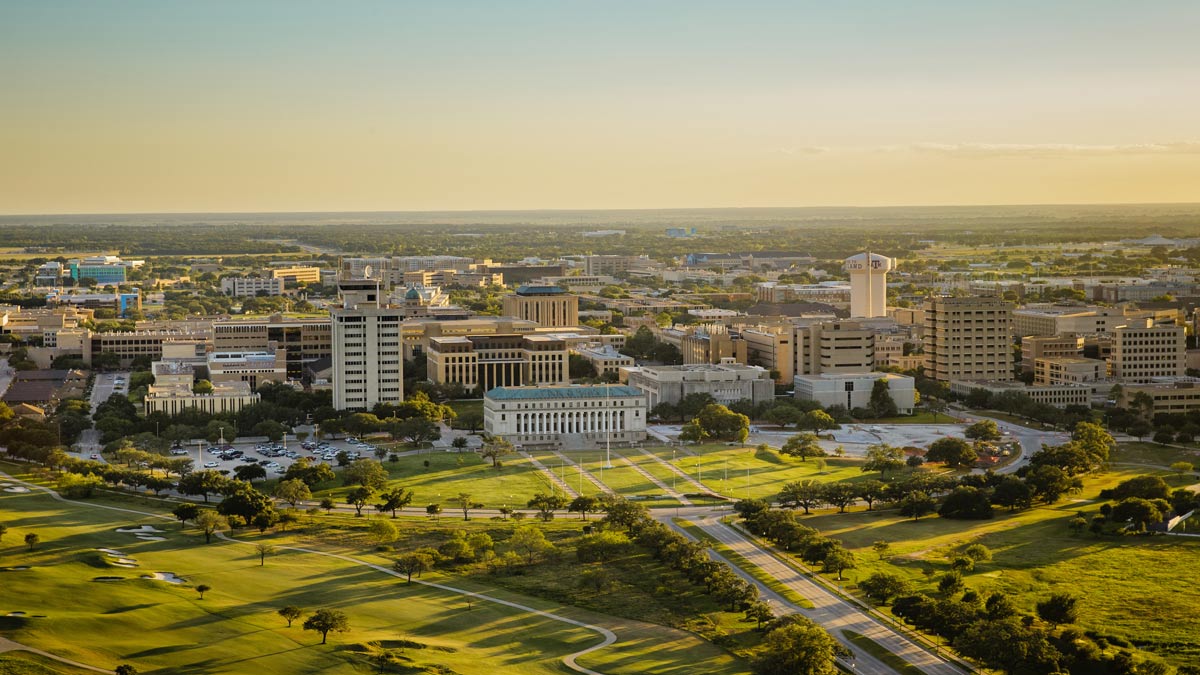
586,474
549,473
699,487
650,477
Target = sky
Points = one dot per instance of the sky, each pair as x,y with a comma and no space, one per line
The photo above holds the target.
172,106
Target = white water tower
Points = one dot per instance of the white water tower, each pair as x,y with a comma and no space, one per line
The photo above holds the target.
868,283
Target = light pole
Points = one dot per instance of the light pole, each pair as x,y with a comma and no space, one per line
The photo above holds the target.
674,474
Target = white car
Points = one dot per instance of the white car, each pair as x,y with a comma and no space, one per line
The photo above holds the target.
211,465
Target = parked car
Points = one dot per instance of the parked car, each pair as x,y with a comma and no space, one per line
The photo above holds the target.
211,465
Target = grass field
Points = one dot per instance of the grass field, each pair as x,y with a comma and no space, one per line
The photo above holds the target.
741,471
450,473
1153,454
621,478
165,628
460,407
1127,585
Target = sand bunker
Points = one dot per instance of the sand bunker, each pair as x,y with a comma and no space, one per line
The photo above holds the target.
168,577
15,614
17,568
146,537
124,562
16,488
143,529
112,552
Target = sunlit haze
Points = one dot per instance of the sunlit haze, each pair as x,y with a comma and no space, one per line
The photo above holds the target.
294,106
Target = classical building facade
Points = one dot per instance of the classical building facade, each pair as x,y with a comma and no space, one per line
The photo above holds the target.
488,361
549,306
569,417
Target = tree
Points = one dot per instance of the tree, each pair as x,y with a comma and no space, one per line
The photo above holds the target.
983,430
953,452
881,403
807,494
202,589
818,420
881,547
1144,487
466,503
210,521
263,551
622,512
1138,512
249,472
870,491
328,504
495,447
126,669
366,472
802,446
32,540
312,474
1095,440
291,613
759,612
383,531
719,422
1058,609
433,510
917,504
292,491
547,504
358,498
951,583
967,503
840,495
1013,493
326,621
245,502
883,586
417,431
394,500
1049,483
530,542
601,546
584,505
1181,468
692,432
185,512
884,459
202,483
799,647
978,552
413,563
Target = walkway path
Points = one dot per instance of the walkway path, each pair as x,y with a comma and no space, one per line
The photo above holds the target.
7,645
830,611
586,474
650,477
548,472
570,659
699,487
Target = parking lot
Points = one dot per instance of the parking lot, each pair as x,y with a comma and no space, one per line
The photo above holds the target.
106,385
274,457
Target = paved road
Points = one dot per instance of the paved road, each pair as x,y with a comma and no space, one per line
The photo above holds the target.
829,611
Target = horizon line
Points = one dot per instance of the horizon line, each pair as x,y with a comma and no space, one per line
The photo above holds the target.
584,209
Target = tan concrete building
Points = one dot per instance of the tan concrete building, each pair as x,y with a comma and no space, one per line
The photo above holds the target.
1142,351
1057,395
1176,396
610,264
968,339
296,275
725,382
567,417
128,345
239,287
604,358
1051,320
487,361
549,306
835,347
1069,370
255,368
303,340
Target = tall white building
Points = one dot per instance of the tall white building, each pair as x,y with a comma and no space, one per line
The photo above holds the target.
868,284
368,354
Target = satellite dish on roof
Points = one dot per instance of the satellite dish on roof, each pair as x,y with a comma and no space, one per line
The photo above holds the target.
368,271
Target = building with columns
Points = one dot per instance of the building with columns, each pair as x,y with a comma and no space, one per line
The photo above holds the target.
568,417
549,306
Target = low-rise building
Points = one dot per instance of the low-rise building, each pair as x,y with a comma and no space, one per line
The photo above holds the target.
241,287
489,361
255,368
1057,395
569,417
727,382
173,399
853,390
1170,395
297,274
550,306
1069,370
604,358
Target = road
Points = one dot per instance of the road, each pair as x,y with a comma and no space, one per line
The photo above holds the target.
830,611
1031,440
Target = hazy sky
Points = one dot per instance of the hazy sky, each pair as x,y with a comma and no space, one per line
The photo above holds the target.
289,106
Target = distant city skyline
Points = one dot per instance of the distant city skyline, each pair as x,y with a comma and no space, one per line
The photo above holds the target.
144,107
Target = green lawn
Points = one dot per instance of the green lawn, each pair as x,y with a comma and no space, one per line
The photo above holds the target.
24,663
450,473
1127,585
740,471
1153,454
165,628
460,407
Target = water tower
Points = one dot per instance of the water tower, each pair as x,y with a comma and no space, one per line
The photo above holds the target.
868,283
